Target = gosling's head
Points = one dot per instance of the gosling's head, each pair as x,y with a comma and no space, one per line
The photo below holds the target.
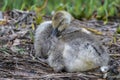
60,21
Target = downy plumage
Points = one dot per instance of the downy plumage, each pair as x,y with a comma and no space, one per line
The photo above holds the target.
67,46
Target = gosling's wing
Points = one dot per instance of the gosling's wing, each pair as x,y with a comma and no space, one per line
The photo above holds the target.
75,25
71,28
81,56
42,42
77,34
87,44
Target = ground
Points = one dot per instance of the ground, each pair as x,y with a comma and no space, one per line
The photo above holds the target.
17,59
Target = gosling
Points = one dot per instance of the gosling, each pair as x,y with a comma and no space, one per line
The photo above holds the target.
70,48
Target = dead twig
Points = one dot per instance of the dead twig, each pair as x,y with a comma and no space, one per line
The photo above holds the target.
66,75
115,55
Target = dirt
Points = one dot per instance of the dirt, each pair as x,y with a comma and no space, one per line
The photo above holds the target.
17,59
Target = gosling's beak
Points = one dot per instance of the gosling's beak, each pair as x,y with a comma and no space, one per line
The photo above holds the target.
55,32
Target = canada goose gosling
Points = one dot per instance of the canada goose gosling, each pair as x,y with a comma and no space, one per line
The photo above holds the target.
61,21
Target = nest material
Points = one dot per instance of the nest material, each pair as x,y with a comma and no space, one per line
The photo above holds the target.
17,59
